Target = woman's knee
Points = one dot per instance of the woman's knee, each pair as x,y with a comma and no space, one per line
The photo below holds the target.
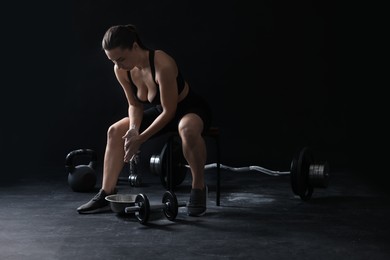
117,130
189,134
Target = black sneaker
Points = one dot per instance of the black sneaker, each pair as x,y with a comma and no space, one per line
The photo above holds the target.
96,204
198,202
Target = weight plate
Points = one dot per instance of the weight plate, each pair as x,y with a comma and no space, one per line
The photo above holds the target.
155,164
178,168
304,189
171,205
144,211
293,173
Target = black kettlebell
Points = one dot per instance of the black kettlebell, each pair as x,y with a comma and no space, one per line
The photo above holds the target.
81,178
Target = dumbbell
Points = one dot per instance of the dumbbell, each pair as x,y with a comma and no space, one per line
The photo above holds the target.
134,178
143,209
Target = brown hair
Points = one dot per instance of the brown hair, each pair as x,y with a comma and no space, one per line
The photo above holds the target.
122,36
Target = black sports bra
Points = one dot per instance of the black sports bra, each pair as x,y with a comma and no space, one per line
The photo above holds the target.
156,100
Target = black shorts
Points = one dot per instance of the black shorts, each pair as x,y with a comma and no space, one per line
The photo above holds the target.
192,103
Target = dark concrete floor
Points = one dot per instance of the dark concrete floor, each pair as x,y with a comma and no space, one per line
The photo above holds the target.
259,218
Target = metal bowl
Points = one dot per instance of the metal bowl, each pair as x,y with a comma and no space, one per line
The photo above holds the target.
118,202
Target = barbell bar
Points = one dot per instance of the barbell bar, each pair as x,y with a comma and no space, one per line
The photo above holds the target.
306,173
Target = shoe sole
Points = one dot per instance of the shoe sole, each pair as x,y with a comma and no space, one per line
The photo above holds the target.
202,210
98,210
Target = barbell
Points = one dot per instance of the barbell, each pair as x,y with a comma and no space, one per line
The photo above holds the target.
306,172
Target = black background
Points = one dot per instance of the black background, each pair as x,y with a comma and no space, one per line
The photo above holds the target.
279,76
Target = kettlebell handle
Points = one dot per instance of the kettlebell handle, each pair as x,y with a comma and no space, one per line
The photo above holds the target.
88,152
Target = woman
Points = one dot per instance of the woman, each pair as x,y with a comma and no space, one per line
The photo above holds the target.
150,76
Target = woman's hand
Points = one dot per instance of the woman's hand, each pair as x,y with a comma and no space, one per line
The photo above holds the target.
132,144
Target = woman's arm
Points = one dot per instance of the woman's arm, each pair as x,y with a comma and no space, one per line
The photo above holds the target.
132,141
166,72
135,110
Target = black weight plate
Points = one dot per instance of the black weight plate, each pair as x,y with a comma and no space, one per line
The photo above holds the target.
178,164
163,166
293,173
307,194
171,205
144,212
302,178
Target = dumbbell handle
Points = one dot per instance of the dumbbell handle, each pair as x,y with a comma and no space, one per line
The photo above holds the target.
162,206
133,209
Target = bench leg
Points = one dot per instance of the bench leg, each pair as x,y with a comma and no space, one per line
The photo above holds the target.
169,163
218,190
